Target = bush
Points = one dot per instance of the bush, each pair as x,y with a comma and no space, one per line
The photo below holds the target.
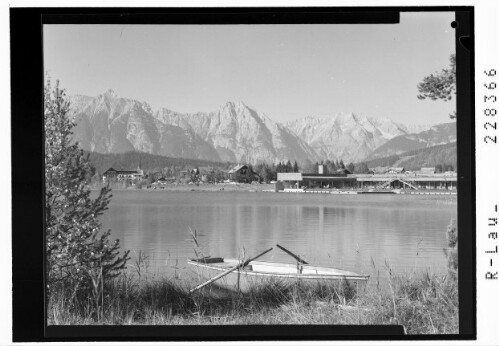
451,251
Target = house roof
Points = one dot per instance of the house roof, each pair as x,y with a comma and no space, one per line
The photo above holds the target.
114,171
128,172
237,168
289,177
396,169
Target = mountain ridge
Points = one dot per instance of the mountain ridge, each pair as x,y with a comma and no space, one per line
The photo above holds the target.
107,123
436,135
347,135
235,132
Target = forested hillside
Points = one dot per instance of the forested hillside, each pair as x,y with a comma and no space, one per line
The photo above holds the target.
130,161
444,155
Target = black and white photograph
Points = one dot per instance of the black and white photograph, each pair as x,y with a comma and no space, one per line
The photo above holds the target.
252,174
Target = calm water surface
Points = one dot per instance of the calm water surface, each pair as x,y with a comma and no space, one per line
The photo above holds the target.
333,230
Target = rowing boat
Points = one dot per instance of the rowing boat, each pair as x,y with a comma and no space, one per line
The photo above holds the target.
257,273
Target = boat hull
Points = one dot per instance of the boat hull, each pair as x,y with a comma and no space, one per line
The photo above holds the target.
259,274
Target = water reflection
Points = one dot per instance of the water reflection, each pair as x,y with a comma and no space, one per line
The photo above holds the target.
343,231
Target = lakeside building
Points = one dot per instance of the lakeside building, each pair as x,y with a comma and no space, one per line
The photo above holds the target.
343,171
165,180
387,180
240,174
322,170
395,170
122,175
162,182
378,170
340,180
428,170
414,181
189,172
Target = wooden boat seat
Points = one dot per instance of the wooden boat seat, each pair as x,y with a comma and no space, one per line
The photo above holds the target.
208,260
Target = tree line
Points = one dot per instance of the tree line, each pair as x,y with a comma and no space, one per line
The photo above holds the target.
130,161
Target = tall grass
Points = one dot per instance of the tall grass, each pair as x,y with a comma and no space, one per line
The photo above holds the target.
423,303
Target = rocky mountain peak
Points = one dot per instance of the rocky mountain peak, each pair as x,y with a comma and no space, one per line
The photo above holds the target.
234,107
111,93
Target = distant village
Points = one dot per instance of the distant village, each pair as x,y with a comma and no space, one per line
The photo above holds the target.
288,177
195,175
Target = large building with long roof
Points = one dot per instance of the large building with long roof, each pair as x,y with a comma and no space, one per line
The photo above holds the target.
390,179
122,175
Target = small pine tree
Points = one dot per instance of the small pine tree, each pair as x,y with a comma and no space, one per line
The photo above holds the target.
361,168
351,167
249,174
451,251
307,167
75,245
331,167
316,168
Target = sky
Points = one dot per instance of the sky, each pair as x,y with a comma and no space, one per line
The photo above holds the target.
285,71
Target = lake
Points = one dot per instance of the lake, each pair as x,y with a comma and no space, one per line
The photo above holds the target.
343,231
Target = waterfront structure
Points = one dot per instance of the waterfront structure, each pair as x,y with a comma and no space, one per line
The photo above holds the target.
343,171
122,175
413,181
165,180
378,170
396,170
322,170
316,180
427,170
189,172
240,174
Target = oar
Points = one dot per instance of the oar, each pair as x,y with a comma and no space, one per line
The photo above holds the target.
292,254
240,265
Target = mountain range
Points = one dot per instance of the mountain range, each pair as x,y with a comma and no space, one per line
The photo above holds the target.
348,136
107,123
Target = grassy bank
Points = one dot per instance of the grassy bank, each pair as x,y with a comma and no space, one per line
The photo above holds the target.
423,304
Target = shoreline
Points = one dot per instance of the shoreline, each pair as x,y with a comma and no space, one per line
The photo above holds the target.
271,188
200,188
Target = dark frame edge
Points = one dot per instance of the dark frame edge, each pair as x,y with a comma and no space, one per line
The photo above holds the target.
27,260
465,105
